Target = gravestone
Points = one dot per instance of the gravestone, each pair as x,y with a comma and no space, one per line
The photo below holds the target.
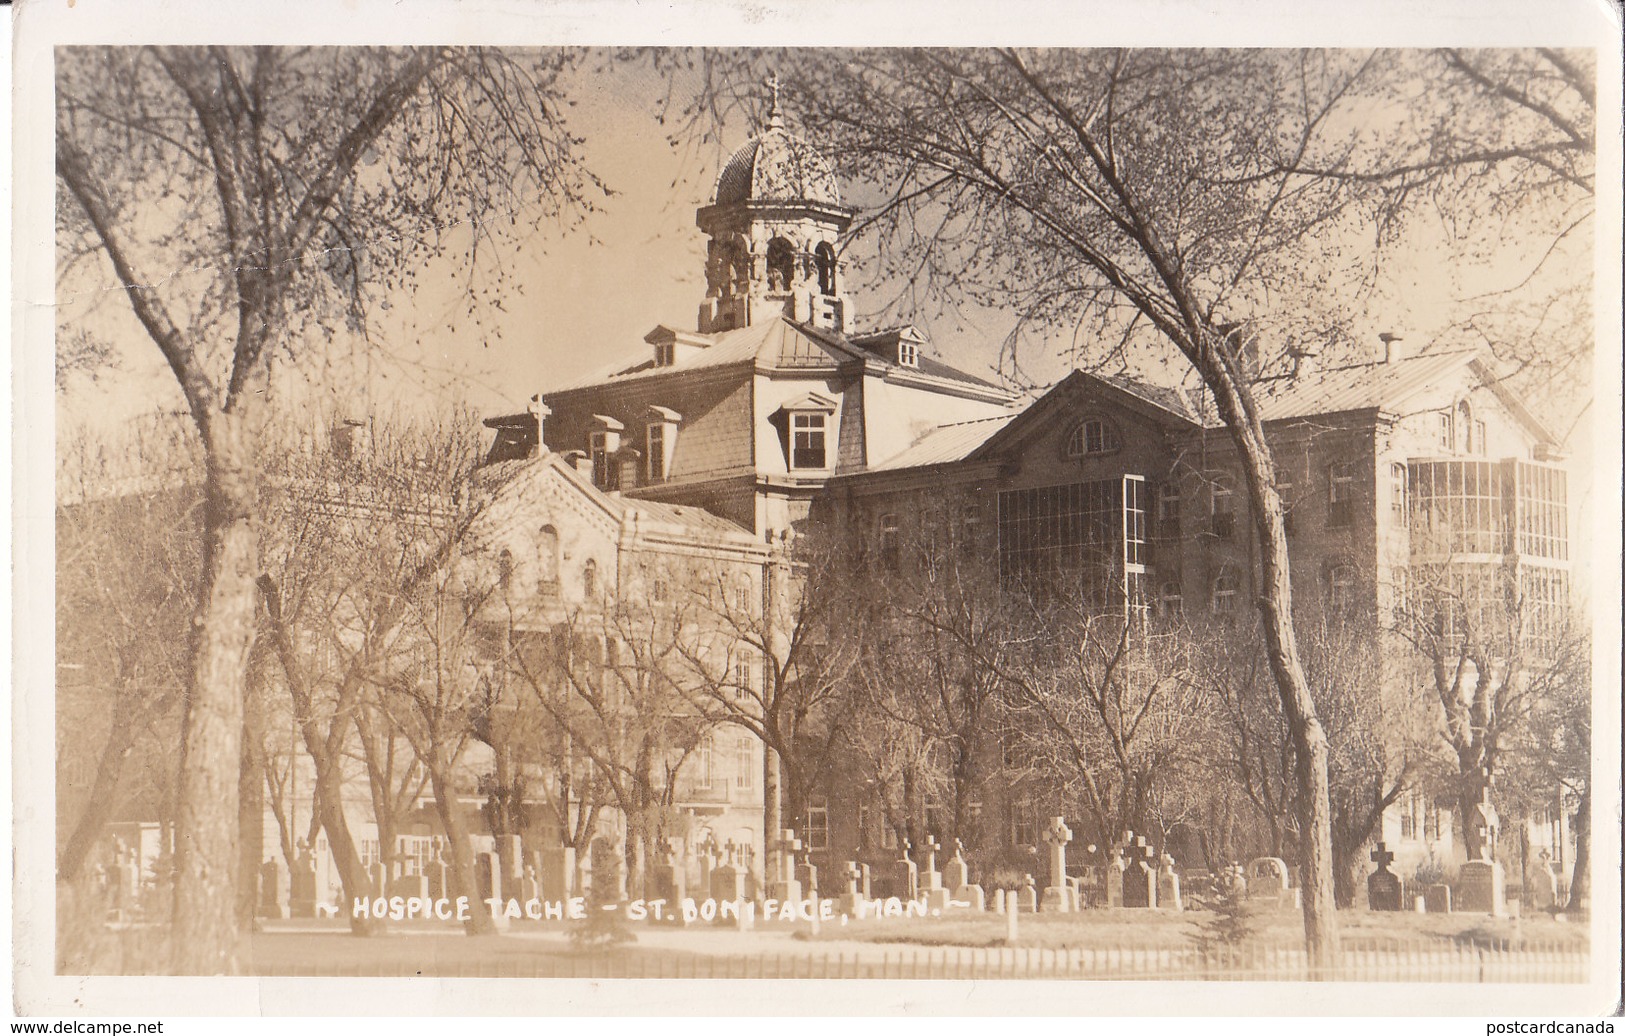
1267,879
707,861
1027,896
558,873
511,858
784,885
1056,837
1438,899
410,885
378,879
931,886
906,876
1481,884
727,877
809,876
998,901
670,876
530,884
488,876
1543,884
957,877
1114,881
1382,887
1168,886
1139,879
270,903
302,885
852,893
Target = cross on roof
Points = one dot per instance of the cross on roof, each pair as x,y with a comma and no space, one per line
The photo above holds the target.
1381,856
774,118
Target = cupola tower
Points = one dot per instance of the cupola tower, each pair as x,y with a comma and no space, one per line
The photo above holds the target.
774,230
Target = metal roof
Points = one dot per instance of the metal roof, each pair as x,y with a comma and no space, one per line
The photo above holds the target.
945,444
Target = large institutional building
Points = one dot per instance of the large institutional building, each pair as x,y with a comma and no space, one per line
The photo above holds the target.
698,455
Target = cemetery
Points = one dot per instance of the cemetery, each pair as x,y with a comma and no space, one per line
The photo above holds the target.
712,908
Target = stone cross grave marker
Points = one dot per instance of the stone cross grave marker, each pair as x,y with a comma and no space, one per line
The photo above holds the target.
1543,884
786,887
1382,887
1168,886
1139,879
1116,867
1056,837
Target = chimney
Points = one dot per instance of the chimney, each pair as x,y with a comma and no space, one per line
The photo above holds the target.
1305,358
1393,347
541,412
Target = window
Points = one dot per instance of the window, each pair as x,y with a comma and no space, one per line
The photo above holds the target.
744,762
908,353
660,588
818,825
742,599
1397,478
890,533
865,818
657,451
1464,427
1481,445
1021,826
744,679
1407,821
1224,593
665,353
589,579
807,441
505,570
970,527
1446,432
1222,499
1168,511
824,261
781,261
547,560
1287,490
1340,495
1339,591
1092,435
700,767
1171,599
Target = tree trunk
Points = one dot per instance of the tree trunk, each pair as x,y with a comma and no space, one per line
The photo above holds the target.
204,936
250,822
1471,790
353,881
772,809
102,798
1580,883
479,920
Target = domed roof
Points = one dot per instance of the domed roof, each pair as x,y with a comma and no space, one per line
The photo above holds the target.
777,166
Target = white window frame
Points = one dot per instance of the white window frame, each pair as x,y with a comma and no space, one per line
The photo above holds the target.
810,423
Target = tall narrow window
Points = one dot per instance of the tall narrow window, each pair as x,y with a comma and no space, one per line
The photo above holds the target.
606,473
824,260
700,768
665,353
657,451
1340,591
589,579
1222,497
1465,428
781,261
547,560
744,762
1446,432
505,570
1340,495
1396,491
890,547
807,448
744,678
818,824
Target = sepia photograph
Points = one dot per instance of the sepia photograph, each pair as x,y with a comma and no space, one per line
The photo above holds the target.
588,504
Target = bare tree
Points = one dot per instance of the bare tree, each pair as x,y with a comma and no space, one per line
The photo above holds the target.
252,205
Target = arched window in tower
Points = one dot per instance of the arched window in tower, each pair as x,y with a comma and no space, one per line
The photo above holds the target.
505,570
824,260
781,261
547,560
589,579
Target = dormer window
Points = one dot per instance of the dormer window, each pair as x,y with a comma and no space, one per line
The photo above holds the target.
807,441
660,436
908,354
606,441
665,353
807,422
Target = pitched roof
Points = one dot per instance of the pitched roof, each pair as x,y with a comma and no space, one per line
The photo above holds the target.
776,343
944,444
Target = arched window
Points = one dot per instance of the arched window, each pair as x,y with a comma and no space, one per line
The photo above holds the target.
824,260
781,261
1222,499
589,578
1092,435
505,570
1171,599
1464,427
547,559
